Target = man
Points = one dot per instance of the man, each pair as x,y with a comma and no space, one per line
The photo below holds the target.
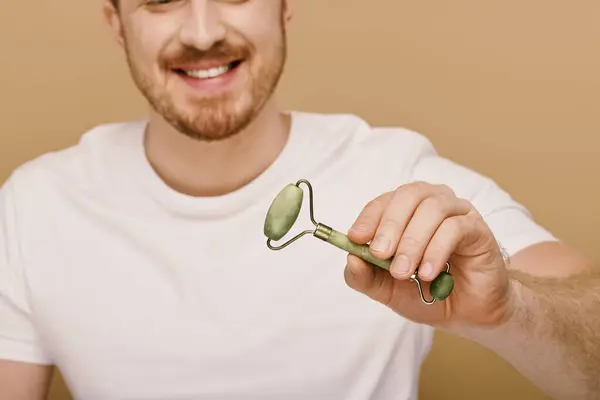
136,263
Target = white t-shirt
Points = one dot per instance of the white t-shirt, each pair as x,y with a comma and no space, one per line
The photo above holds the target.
135,291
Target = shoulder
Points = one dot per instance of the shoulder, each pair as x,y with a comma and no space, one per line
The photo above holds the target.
394,156
91,168
93,143
396,149
83,160
359,131
400,155
389,150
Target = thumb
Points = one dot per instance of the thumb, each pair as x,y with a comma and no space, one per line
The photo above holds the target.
372,281
402,296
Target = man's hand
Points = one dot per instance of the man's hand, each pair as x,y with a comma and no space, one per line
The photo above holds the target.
423,226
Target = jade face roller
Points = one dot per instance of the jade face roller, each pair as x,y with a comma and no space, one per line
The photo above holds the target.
284,211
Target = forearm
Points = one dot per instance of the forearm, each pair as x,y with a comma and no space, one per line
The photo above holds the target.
553,338
24,381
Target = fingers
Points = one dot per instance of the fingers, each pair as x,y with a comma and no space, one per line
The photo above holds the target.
381,224
396,217
418,224
365,226
416,238
441,246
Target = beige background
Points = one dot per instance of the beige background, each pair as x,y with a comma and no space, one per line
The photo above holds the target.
510,88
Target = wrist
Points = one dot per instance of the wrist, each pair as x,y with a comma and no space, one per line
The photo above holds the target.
512,306
510,327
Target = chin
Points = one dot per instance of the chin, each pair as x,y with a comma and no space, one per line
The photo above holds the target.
209,117
213,123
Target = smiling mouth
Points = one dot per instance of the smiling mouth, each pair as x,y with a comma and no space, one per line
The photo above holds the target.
209,73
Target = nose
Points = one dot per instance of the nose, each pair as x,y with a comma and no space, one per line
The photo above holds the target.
202,27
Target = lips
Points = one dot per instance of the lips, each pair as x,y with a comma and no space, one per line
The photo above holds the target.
207,70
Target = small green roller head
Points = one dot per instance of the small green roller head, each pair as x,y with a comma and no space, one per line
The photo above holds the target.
442,286
283,213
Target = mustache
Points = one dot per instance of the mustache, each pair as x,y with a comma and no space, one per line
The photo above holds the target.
219,51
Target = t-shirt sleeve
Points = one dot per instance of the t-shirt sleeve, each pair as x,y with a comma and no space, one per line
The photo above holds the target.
511,222
19,340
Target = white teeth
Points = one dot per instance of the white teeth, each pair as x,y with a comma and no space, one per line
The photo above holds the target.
208,73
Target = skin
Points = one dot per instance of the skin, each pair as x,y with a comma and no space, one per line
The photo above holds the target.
191,132
24,381
427,225
534,312
537,310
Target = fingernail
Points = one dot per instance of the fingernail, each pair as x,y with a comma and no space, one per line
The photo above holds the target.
350,268
401,265
425,269
380,244
359,228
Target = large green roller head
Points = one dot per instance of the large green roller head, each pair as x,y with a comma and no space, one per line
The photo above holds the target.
283,213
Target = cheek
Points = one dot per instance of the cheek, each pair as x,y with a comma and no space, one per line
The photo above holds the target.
261,24
267,40
151,38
